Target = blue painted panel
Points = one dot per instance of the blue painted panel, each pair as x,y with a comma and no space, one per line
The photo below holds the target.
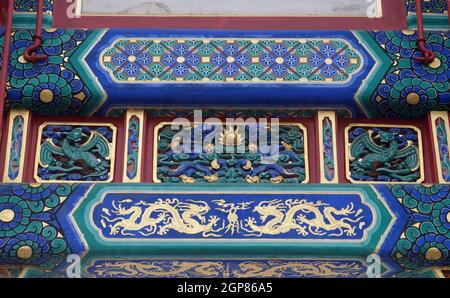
302,95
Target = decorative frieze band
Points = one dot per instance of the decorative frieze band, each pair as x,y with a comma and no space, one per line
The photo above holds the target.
295,151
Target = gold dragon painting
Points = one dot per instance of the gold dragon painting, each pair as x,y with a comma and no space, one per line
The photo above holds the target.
298,218
226,268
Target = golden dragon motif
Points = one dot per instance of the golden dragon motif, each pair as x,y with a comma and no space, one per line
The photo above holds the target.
284,219
159,217
211,269
138,269
278,269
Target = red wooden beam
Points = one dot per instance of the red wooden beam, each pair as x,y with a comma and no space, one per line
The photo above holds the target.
5,61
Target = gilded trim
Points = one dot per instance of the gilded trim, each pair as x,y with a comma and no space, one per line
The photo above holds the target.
438,271
321,117
139,114
434,116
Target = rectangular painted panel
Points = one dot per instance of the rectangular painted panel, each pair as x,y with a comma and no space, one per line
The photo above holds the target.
329,8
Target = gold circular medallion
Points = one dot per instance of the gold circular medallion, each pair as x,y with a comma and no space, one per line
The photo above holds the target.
448,217
24,252
433,254
131,58
413,98
22,60
181,59
46,95
230,59
408,32
329,61
280,60
7,215
436,63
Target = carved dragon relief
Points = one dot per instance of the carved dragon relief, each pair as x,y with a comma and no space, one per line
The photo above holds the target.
166,218
76,156
226,269
390,155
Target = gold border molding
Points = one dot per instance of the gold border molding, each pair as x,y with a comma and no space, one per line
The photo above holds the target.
433,117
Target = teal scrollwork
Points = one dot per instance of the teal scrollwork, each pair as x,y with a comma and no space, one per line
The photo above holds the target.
75,153
133,144
444,155
425,241
243,166
384,154
58,86
16,147
410,89
30,234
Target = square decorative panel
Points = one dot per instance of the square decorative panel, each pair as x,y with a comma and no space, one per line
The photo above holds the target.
384,154
75,152
243,159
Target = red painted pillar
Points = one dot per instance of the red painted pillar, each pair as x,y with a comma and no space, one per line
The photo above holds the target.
5,59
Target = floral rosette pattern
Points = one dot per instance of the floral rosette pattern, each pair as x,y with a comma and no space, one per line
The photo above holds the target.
425,241
48,87
411,89
220,166
30,233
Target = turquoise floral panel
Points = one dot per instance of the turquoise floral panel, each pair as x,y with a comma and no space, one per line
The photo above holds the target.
231,60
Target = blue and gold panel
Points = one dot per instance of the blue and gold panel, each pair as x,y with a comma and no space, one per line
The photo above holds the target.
383,154
75,152
327,146
235,155
304,216
226,268
237,60
134,133
238,219
441,130
406,225
16,145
